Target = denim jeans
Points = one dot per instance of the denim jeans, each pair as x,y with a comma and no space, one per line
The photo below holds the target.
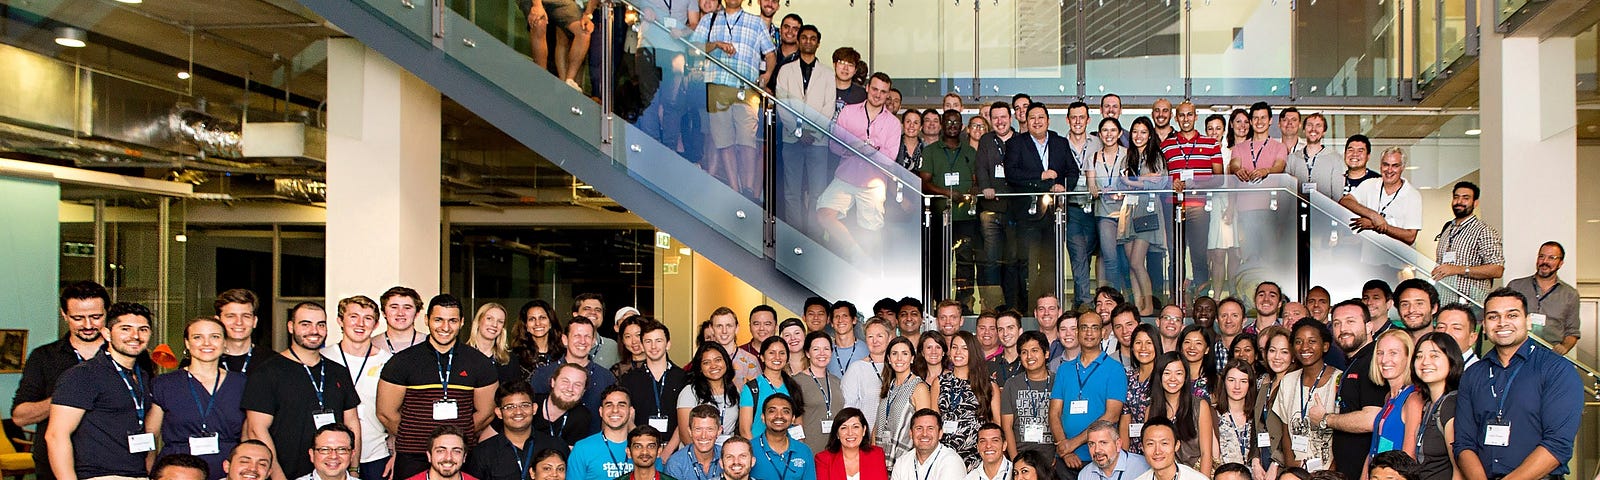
993,227
1082,235
804,170
1116,272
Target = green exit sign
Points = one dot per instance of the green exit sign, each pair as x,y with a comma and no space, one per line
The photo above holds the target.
76,249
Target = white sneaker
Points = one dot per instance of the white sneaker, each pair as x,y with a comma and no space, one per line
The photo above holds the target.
574,85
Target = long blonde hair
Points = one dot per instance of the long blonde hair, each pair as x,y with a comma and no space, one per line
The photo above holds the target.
501,347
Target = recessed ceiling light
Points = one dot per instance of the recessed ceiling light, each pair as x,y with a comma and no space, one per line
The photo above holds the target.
1593,220
130,1
1474,132
72,37
182,75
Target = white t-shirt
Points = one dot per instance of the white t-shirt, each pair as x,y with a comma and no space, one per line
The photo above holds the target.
1403,209
1002,474
1184,473
374,438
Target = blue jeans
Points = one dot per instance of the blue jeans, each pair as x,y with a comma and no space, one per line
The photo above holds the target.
1082,235
992,226
1116,271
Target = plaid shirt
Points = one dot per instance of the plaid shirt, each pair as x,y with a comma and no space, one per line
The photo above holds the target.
1474,243
751,44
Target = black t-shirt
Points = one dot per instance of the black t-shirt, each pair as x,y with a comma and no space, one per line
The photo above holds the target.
100,443
240,363
45,365
420,370
1351,183
848,96
570,427
1356,391
497,459
281,387
650,397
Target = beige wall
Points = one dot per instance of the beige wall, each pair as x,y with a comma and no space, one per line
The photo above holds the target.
688,296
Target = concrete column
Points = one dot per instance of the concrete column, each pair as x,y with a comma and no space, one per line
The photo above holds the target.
1529,144
383,177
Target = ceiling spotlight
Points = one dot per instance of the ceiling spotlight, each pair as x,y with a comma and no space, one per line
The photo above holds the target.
182,75
72,37
1474,132
130,1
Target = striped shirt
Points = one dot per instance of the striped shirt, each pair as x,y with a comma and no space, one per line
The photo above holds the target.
1196,156
420,370
1470,243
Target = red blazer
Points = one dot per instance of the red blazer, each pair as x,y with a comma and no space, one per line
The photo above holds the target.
830,465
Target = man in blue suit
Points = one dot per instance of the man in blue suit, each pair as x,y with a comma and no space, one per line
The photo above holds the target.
1038,162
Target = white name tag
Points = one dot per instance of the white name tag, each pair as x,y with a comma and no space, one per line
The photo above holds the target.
1300,444
444,410
1136,430
949,426
1313,464
1447,257
1308,187
1130,201
1537,319
999,171
827,425
1497,435
659,423
1033,433
671,22
1263,440
1078,407
1186,175
141,442
321,418
797,433
204,445
952,179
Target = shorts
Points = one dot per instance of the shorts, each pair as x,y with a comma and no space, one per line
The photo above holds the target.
841,194
561,12
733,119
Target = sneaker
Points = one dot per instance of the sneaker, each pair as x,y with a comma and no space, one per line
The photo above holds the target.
574,85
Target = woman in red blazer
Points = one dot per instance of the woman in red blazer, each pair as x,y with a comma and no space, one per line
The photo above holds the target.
850,454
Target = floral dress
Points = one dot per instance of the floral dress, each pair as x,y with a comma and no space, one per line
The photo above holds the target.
1233,438
1134,408
958,406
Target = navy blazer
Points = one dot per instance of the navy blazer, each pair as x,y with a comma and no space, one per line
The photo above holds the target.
1023,166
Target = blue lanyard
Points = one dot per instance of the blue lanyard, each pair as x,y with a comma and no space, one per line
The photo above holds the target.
610,451
657,386
929,473
554,430
1094,366
318,381
766,450
523,459
205,411
135,389
837,356
445,367
827,397
1305,393
1500,408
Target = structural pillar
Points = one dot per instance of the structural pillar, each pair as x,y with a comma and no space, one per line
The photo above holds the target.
1529,145
383,177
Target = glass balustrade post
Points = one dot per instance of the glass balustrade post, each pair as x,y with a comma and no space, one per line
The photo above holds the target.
608,71
1178,253
1058,264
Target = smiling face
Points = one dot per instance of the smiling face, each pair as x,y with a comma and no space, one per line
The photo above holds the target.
516,412
925,433
1123,325
1193,347
445,455
988,333
960,352
1230,318
491,324
358,322
655,345
713,365
1077,120
1103,448
567,387
703,433
1431,363
910,320
1172,378
1047,310
877,338
949,320
1308,346
239,318
1280,357
820,352
774,357
615,411
763,324
85,317
1144,348
308,328
551,468
736,460
725,328
1161,113
330,454
843,321
816,316
1416,309
400,311
203,341
793,337
1215,129
851,431
931,125
900,358
1032,356
777,413
1244,351
1349,329
248,462
1008,329
991,446
538,324
1268,299
1505,322
1170,324
1318,303
911,124
630,340
128,335
578,340
1391,165
443,324
1109,133
1392,357
932,351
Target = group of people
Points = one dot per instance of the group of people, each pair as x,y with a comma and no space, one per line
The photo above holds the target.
1258,390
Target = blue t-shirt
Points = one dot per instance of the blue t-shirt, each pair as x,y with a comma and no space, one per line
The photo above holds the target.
795,464
106,393
1103,379
596,458
843,356
755,399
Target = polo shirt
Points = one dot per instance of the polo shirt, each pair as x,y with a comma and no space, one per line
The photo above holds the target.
1356,391
498,459
1002,473
598,458
1541,410
287,390
1192,157
943,464
600,377
683,464
650,397
100,443
1103,379
955,169
1559,305
795,463
1251,155
1129,465
45,364
1469,242
420,370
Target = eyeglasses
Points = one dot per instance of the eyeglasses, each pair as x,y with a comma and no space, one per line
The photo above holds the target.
332,450
516,406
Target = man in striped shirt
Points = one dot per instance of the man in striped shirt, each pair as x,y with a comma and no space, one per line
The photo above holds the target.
440,384
1189,155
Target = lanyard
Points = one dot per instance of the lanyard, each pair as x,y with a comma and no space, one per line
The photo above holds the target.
1094,366
1546,294
827,397
205,410
1244,440
727,26
357,373
445,367
1311,160
929,472
318,381
657,385
1500,408
1451,243
1391,199
610,451
555,431
1255,153
522,456
135,389
1082,153
1101,157
248,355
837,357
1429,417
766,451
1305,393
390,340
871,118
1043,148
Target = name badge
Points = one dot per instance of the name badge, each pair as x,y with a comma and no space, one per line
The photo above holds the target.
1263,440
321,417
204,445
1033,433
1497,435
1130,201
827,425
1186,175
1313,464
1083,182
141,442
1308,187
796,432
659,423
1136,430
1078,407
671,22
952,179
444,410
1300,444
999,171
1537,319
1448,257
949,426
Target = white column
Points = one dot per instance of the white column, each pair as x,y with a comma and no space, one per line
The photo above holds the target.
383,177
1529,146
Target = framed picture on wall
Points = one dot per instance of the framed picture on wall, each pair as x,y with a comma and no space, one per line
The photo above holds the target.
13,346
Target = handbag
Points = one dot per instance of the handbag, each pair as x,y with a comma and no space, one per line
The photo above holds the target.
1146,223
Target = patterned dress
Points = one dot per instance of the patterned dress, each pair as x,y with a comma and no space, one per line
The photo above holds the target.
1138,402
959,404
894,419
1233,438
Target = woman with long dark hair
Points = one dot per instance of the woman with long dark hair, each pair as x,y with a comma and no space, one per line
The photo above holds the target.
1194,344
1235,419
1104,168
540,340
1144,170
1277,360
964,397
774,378
931,359
902,393
710,382
850,454
1192,421
1436,373
1146,347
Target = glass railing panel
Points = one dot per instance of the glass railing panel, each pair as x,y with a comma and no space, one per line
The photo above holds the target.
1428,41
1504,8
1243,232
1132,48
1133,222
1458,25
1237,47
495,61
1356,56
1028,47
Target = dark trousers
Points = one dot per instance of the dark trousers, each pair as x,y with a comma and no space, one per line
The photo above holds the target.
373,470
407,465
